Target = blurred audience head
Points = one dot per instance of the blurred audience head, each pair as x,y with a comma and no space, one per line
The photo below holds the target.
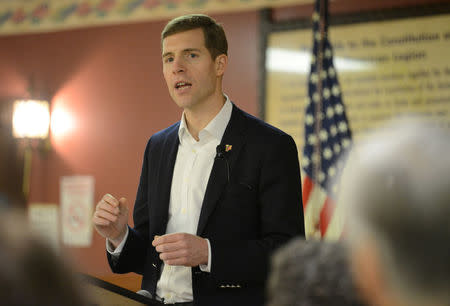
397,188
4,201
30,272
311,273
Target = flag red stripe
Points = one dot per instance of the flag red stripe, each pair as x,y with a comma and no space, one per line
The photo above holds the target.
308,185
325,215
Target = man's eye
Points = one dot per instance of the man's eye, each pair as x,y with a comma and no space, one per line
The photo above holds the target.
193,55
168,59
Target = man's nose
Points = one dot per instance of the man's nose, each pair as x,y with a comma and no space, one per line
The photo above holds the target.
178,65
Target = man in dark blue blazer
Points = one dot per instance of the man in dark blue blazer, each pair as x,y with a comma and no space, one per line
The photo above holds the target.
219,190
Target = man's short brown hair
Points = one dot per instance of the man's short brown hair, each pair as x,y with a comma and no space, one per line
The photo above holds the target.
215,38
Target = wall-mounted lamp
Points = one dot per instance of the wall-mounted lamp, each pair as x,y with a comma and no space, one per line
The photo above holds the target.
31,120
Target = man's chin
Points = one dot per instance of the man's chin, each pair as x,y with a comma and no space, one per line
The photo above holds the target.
183,103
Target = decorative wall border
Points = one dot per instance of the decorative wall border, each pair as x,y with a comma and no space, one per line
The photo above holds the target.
53,15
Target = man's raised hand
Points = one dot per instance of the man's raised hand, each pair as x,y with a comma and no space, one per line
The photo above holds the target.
111,218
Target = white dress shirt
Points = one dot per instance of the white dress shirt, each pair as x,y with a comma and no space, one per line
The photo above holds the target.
190,177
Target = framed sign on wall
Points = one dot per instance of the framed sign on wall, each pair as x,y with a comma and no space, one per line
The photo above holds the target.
387,67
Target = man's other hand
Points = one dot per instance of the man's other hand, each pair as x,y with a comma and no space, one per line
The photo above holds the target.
182,249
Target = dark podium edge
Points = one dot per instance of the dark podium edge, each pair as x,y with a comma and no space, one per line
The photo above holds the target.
116,289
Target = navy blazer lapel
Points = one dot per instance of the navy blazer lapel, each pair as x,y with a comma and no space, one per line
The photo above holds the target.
159,215
218,178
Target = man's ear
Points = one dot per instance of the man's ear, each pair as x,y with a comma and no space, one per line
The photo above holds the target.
221,64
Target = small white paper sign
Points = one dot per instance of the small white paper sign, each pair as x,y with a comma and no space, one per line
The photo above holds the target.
43,220
77,202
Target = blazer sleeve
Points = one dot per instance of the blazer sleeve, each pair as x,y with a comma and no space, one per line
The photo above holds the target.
133,256
280,210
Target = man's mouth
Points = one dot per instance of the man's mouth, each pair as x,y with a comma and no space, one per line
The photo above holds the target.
182,85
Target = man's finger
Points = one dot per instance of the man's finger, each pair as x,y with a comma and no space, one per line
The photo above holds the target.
108,198
159,240
169,238
105,215
182,261
100,221
177,262
102,205
168,247
174,255
123,203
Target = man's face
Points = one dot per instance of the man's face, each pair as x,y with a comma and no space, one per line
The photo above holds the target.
192,76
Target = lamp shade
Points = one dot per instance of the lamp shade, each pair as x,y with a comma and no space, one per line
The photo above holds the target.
31,119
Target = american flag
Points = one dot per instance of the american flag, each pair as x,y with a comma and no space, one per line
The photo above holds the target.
327,135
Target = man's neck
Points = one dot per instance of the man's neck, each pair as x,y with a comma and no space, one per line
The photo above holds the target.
198,119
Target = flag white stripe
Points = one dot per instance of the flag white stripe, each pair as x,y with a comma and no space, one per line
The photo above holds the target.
314,206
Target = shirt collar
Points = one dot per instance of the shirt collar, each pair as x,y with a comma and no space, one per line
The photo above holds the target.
216,127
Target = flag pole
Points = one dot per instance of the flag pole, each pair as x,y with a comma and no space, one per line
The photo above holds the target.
319,106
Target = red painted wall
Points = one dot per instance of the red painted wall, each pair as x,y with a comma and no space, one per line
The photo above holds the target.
109,81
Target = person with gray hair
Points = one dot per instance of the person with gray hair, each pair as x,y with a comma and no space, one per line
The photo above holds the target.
397,191
311,273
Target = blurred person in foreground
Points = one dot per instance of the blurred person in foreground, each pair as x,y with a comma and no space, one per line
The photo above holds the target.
31,274
397,192
311,273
